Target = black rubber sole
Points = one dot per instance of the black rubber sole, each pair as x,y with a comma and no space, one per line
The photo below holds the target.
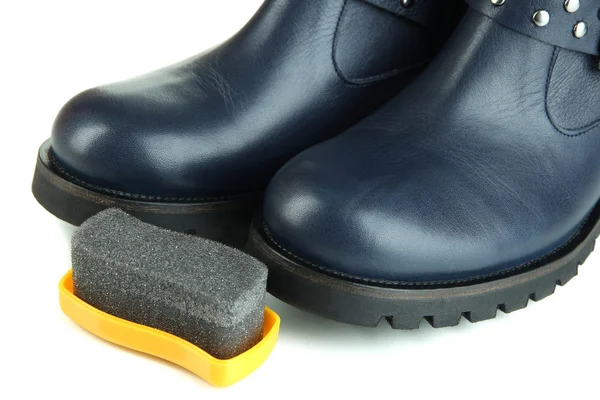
404,308
225,221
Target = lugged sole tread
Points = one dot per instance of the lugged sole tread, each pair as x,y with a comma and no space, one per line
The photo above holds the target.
405,309
487,313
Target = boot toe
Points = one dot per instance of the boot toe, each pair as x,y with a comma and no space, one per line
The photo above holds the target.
122,138
89,140
427,223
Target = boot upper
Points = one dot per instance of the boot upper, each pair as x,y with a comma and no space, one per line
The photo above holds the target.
484,165
221,123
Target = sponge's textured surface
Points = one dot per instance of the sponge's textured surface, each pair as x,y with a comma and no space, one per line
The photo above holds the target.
202,291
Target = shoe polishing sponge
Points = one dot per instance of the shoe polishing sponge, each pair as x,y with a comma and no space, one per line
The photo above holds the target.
202,291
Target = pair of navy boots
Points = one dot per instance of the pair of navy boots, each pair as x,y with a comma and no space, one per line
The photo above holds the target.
397,159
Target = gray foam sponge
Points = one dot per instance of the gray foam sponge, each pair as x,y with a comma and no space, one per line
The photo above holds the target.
202,291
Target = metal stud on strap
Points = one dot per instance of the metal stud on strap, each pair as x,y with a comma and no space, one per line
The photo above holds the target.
570,24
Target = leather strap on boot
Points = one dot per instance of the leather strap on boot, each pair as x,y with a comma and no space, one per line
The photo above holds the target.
570,24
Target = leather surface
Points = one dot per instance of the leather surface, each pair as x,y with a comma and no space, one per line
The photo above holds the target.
223,122
360,30
518,15
460,176
573,98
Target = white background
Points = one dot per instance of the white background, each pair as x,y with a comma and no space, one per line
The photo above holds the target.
51,50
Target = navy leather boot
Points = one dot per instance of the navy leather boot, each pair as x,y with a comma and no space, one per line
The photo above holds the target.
191,147
475,189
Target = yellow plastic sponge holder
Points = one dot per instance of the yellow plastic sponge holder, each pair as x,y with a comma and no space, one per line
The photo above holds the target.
166,346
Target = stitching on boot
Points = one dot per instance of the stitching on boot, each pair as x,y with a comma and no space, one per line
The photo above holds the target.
426,284
130,196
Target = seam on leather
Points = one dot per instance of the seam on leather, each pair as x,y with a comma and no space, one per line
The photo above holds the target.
567,132
444,283
130,196
371,79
